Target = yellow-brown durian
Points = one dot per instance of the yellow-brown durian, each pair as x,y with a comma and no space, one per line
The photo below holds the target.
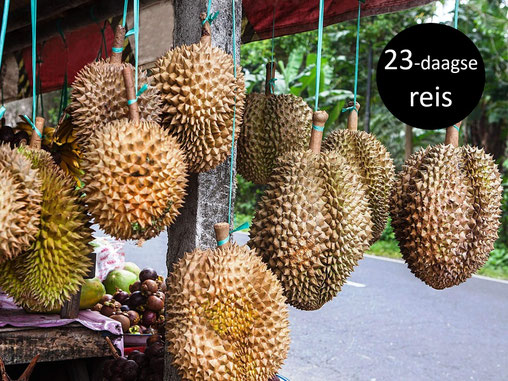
20,203
372,163
312,225
98,97
53,268
135,178
272,126
199,92
445,212
226,316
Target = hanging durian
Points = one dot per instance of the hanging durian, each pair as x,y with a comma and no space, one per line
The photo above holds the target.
65,146
53,268
371,162
199,92
313,224
226,315
98,94
445,211
135,175
20,203
272,125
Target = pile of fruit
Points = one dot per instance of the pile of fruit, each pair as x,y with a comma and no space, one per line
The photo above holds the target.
138,304
138,366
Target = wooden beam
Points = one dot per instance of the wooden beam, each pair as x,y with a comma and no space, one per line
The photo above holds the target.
69,342
21,17
74,19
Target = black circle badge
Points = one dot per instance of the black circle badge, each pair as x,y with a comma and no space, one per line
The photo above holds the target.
430,76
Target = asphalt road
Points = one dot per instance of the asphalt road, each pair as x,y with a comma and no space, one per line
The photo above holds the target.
388,325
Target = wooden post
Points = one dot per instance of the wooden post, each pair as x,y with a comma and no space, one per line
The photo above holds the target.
409,142
206,202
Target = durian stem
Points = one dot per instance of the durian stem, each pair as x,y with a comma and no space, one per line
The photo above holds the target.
352,120
270,74
319,119
28,371
35,140
222,232
206,33
112,348
452,135
116,58
131,94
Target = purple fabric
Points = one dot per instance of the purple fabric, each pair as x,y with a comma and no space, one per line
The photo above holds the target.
12,315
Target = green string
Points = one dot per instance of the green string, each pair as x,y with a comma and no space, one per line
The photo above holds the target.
271,82
231,169
245,225
136,37
124,18
209,16
2,42
319,48
353,107
33,13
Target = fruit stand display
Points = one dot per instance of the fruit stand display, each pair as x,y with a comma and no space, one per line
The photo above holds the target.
139,152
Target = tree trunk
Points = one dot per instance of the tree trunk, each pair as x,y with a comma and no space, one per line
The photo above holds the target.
409,142
207,200
369,90
487,135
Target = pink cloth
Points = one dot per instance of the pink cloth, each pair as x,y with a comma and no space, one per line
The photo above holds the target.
12,315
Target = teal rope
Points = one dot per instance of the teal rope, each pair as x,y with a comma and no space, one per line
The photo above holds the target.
27,119
456,17
353,107
124,18
4,29
136,36
231,184
209,16
456,127
245,225
33,12
2,42
319,48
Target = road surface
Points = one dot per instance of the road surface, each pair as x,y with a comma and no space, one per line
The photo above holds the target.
388,325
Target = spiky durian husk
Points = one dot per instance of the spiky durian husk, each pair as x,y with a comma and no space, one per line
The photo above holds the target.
272,126
312,226
66,147
372,162
135,178
20,203
199,89
445,212
227,318
98,97
54,267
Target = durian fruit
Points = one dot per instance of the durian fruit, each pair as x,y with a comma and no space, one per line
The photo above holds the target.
226,315
445,211
98,94
135,177
20,203
313,224
66,150
371,162
272,125
199,93
53,268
